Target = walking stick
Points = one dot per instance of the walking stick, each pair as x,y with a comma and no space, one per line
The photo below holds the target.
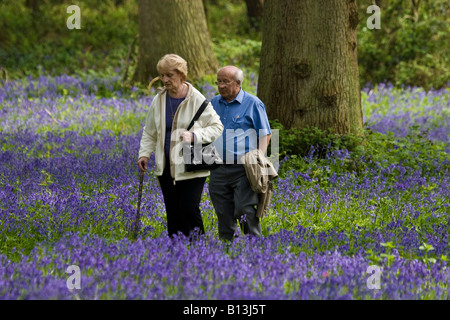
136,223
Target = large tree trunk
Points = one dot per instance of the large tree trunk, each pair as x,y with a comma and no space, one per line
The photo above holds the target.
309,70
174,26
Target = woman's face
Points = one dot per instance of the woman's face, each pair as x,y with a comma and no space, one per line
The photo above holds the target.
171,79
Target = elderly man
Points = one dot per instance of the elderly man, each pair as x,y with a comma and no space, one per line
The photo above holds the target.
246,127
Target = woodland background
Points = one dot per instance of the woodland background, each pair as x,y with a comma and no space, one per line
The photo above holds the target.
411,48
70,124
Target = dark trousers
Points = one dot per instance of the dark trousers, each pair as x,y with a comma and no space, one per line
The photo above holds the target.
182,202
234,201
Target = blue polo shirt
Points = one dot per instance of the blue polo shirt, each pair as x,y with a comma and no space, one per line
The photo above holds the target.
244,120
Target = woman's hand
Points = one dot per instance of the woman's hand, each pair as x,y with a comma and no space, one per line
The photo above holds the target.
142,164
187,137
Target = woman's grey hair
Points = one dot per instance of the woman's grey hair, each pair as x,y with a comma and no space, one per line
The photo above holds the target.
173,62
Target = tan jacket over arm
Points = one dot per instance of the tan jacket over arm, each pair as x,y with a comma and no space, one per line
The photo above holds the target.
260,173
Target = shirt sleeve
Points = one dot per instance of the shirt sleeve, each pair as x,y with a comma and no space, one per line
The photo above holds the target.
260,120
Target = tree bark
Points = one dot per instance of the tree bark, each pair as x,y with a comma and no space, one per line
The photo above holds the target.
174,26
255,8
309,70
33,5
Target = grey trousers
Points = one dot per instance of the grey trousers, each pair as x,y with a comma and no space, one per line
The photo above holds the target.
234,201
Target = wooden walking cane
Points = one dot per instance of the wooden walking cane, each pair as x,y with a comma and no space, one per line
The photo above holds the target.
136,223
141,180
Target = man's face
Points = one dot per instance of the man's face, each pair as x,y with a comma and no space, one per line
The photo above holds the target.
227,85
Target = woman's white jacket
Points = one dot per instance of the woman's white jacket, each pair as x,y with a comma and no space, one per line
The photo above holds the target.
207,129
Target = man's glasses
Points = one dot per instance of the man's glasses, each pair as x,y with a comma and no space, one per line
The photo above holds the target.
225,82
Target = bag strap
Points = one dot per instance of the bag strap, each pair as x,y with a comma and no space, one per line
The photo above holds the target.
199,113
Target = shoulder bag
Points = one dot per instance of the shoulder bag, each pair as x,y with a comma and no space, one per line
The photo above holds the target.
197,156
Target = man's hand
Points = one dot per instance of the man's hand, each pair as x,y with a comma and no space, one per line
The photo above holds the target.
142,163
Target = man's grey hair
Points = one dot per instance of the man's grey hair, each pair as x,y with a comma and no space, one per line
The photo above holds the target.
239,76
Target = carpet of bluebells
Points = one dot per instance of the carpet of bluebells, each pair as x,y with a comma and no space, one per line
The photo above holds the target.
68,197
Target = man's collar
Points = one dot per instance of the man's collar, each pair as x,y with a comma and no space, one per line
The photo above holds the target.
238,98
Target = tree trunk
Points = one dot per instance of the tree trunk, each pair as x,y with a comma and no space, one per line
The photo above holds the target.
33,5
255,8
174,26
255,12
309,70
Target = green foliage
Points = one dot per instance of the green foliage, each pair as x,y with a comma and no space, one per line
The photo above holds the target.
414,150
236,41
36,43
227,19
386,160
300,141
367,150
244,53
412,46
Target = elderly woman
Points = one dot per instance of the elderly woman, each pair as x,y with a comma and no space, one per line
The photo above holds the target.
170,114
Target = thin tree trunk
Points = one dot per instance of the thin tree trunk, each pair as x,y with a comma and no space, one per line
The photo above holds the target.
33,5
255,8
309,71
